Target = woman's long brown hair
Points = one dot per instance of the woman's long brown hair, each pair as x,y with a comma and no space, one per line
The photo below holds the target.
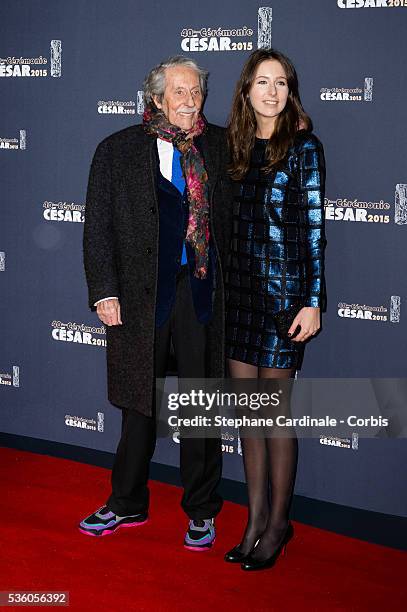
242,122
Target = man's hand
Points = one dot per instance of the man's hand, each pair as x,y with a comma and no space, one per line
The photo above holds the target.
310,321
109,312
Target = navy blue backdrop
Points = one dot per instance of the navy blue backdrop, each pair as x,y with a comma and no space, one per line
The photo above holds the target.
71,73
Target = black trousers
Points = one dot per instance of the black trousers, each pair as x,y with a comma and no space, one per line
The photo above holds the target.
200,459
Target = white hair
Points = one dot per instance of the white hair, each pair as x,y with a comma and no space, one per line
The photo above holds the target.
154,83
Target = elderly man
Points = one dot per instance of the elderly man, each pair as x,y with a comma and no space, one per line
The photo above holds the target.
156,238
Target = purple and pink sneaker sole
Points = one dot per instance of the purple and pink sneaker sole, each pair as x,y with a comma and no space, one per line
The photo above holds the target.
200,548
106,532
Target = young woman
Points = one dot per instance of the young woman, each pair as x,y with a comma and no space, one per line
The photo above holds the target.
276,263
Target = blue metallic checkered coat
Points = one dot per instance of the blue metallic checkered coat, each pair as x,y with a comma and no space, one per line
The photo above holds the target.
277,251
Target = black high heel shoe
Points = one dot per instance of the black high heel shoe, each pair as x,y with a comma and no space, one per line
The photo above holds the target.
236,556
250,564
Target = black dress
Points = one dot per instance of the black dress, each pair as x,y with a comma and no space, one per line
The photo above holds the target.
277,252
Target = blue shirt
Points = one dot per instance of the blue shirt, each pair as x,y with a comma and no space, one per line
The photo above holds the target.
170,168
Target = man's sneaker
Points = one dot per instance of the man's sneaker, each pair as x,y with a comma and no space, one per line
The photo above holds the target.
200,535
104,522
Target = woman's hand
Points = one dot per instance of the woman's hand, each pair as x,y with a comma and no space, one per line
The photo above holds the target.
309,318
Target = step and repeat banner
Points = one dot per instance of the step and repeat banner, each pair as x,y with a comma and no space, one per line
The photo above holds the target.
71,73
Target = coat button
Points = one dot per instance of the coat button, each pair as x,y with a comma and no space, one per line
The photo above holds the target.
147,290
149,251
152,210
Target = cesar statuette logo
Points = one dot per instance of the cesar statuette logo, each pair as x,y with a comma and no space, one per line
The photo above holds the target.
15,144
40,66
228,38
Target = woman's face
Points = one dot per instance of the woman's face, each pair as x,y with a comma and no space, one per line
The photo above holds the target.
269,91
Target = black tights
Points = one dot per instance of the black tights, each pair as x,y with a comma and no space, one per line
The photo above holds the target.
270,465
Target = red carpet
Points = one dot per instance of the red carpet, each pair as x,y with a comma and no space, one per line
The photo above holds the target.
146,568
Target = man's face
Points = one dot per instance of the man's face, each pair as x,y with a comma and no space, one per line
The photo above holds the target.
182,99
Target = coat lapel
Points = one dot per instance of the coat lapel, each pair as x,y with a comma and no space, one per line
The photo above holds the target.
208,151
143,167
140,171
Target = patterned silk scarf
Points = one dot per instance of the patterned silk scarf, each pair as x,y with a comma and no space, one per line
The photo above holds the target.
196,179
